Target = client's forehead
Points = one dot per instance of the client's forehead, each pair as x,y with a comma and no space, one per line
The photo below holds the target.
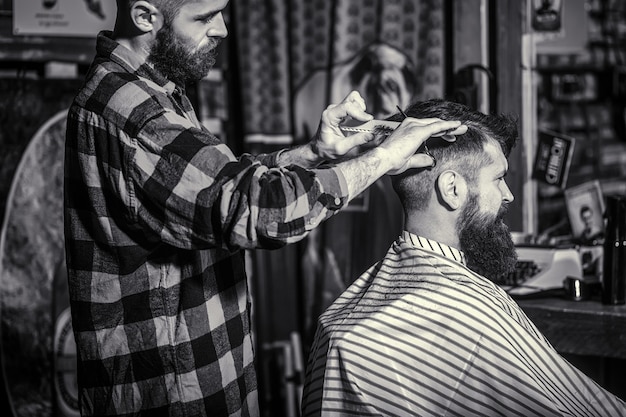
499,164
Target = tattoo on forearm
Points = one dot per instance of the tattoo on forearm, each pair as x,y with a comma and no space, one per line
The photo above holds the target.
361,172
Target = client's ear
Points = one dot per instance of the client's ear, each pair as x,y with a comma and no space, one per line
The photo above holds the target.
452,189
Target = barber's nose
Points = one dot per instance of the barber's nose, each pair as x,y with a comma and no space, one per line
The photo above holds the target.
218,27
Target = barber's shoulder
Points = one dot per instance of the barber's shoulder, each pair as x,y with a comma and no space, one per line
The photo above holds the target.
122,96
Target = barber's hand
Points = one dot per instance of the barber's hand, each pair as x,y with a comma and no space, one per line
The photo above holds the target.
329,142
400,147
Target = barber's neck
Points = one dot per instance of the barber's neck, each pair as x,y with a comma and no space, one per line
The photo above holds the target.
138,44
138,39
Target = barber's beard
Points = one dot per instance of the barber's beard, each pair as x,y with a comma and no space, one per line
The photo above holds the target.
486,241
172,57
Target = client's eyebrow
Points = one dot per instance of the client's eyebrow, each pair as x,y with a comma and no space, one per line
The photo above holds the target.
207,16
503,173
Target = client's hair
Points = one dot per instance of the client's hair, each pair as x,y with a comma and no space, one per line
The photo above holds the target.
466,155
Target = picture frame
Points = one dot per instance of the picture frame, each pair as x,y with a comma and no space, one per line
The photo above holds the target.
71,18
575,86
553,158
585,210
547,15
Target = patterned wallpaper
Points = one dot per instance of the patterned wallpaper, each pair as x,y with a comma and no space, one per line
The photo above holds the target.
310,31
264,66
298,56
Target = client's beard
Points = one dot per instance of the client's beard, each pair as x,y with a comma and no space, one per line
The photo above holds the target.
172,58
486,241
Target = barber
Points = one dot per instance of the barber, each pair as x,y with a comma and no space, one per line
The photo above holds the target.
158,210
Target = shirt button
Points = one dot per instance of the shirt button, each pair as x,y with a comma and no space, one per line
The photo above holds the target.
338,201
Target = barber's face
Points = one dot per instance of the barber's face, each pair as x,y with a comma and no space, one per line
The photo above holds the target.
484,237
185,49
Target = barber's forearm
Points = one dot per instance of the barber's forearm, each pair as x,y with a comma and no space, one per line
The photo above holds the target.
363,171
302,155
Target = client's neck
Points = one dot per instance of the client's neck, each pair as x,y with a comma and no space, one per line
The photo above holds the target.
441,228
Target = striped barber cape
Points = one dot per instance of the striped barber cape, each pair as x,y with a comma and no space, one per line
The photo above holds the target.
419,334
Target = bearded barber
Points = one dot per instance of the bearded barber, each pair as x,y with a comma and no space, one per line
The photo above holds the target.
158,210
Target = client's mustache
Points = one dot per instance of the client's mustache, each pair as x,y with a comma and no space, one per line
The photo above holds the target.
214,42
504,209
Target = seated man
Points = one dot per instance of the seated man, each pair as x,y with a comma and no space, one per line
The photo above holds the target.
425,332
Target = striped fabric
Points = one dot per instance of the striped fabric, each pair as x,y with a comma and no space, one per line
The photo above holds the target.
157,211
419,334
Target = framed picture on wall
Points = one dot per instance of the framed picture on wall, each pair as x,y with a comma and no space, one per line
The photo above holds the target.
553,158
83,18
585,209
546,15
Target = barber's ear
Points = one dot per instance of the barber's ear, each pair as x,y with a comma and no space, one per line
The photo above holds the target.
145,16
452,189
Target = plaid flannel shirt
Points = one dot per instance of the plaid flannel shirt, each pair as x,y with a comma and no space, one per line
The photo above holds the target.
157,211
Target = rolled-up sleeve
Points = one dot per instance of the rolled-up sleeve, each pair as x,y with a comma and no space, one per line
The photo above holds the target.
194,193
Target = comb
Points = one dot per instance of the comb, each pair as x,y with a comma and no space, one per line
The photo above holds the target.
372,126
386,127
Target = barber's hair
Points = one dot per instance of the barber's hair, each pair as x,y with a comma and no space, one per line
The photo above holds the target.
466,155
169,8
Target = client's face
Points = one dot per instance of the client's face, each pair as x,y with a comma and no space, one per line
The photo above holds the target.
484,237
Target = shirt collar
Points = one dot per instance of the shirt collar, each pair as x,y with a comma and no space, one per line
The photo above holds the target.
109,49
433,246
